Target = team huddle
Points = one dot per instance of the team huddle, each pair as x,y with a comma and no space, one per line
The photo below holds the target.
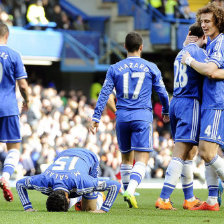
196,115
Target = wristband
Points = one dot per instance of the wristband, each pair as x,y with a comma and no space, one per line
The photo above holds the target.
188,60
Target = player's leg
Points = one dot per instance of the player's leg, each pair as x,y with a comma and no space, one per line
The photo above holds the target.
126,168
141,143
10,134
212,128
185,131
208,152
187,181
173,174
221,185
123,132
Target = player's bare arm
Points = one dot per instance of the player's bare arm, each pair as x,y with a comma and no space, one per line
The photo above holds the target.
111,103
207,69
23,87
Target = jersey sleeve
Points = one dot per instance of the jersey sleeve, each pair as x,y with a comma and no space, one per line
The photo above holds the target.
217,56
104,95
113,188
22,186
94,172
20,71
159,87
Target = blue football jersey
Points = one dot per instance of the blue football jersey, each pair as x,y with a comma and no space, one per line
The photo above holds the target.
213,90
73,171
188,82
133,79
11,69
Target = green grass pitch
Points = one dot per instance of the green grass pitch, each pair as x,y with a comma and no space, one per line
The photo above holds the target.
12,213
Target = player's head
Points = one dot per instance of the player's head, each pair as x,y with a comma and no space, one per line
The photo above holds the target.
4,32
57,201
133,42
211,19
196,30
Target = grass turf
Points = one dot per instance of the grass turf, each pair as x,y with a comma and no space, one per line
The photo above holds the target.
12,213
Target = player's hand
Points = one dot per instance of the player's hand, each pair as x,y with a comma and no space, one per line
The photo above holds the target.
183,59
26,106
190,39
166,118
30,210
93,128
98,211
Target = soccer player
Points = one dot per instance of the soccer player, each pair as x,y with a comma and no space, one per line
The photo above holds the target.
133,79
184,118
211,18
12,71
73,173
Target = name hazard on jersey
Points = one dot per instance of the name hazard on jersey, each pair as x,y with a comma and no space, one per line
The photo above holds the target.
134,65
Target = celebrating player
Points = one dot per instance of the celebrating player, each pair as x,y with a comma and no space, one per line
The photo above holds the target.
185,123
133,79
211,18
74,173
11,70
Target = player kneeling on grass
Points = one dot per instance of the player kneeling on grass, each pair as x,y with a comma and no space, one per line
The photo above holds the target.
74,173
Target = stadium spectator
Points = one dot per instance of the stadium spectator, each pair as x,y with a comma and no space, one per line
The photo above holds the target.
78,171
219,2
36,14
14,72
19,13
132,124
56,16
80,24
157,4
171,8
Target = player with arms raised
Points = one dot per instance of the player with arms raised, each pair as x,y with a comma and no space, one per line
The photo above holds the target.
133,79
11,71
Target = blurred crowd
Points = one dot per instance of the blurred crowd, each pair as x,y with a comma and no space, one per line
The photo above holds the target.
59,120
23,12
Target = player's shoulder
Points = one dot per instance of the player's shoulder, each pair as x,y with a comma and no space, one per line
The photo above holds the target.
11,50
192,47
219,42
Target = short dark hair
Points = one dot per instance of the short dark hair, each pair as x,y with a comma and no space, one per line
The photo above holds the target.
57,202
133,41
196,30
3,29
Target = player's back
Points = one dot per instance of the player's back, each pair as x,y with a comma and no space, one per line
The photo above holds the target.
133,83
188,82
11,69
89,157
213,90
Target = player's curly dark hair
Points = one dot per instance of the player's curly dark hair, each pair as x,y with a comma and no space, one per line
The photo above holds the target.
133,41
57,202
218,15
